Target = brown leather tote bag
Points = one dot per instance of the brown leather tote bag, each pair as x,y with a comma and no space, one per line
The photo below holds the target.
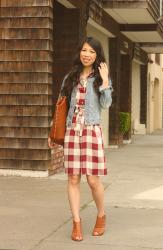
58,128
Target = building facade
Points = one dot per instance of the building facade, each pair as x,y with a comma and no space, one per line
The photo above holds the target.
38,39
154,93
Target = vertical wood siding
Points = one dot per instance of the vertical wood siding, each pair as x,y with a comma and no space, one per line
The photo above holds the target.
66,41
143,94
67,32
115,64
26,33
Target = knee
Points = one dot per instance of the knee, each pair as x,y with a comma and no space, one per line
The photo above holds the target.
74,180
93,182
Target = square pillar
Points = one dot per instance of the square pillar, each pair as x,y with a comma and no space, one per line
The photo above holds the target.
115,63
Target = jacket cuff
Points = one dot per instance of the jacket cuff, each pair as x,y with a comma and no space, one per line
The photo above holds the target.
102,88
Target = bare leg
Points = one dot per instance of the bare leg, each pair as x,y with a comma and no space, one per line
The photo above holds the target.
97,189
74,195
98,196
74,200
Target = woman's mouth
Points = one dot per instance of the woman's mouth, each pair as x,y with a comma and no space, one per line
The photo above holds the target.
86,60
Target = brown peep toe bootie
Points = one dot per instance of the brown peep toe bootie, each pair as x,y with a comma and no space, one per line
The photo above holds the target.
99,228
77,231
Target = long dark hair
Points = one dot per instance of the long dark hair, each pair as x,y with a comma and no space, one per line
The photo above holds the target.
74,74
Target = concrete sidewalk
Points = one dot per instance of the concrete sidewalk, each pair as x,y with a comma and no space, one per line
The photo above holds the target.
35,215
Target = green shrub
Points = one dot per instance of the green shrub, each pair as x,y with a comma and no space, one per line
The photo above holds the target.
125,121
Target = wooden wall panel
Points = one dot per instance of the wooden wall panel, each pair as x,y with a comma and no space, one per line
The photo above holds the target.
20,110
22,3
23,132
31,143
30,88
26,45
143,94
28,100
27,33
115,64
66,41
25,121
24,164
24,154
25,77
37,22
26,56
26,67
34,11
125,88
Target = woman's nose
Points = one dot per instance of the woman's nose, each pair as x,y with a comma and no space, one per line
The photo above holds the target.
87,53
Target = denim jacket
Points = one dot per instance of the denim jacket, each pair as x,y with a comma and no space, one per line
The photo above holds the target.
93,103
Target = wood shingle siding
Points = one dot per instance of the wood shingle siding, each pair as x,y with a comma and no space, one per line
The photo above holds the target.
25,121
23,164
20,22
42,44
24,3
19,110
26,77
23,143
27,33
25,56
18,88
25,100
26,67
25,12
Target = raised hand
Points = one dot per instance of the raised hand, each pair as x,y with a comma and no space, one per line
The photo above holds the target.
104,73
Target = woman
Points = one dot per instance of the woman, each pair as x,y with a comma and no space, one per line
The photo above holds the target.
88,87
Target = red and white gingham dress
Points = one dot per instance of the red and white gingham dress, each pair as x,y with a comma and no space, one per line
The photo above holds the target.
83,144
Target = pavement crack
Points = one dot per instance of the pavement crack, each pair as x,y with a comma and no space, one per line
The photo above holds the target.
64,223
50,234
59,227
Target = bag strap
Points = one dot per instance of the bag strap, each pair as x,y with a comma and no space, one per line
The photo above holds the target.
62,85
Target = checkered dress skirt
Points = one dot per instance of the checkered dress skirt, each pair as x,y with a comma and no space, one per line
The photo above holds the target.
83,144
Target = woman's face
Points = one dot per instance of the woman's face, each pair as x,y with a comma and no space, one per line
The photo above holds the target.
87,55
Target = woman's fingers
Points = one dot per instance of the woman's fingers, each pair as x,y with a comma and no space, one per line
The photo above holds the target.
103,70
103,66
49,142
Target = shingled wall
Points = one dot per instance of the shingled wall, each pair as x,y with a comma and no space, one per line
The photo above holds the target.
26,33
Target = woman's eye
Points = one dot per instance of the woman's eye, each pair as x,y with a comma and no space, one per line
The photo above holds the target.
90,51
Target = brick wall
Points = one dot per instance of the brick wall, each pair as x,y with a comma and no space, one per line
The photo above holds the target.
57,160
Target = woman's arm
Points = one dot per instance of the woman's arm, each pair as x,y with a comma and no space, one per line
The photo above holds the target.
106,95
106,87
